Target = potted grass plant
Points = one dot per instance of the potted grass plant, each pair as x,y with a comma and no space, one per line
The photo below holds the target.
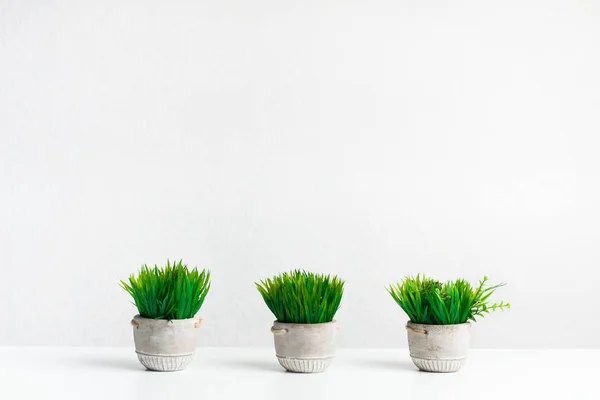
438,329
165,328
304,305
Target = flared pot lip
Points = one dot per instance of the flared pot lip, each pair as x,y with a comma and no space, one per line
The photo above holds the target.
137,318
414,324
333,322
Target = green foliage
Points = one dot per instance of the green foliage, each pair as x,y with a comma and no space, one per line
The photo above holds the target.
428,301
302,297
171,292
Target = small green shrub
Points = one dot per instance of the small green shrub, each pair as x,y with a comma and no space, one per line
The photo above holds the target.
171,292
428,301
302,297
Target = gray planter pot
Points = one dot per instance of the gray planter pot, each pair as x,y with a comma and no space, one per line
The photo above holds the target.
163,345
438,348
305,347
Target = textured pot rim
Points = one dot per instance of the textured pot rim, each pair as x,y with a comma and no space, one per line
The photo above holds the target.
306,325
160,321
410,323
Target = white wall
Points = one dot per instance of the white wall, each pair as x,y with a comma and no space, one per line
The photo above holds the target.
369,139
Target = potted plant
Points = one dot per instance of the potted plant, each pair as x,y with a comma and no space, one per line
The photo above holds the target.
165,330
438,330
304,305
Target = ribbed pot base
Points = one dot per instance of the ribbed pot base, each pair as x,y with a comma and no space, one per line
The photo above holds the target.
305,365
438,365
165,363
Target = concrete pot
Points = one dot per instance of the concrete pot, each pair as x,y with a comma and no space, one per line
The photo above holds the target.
305,347
438,348
163,345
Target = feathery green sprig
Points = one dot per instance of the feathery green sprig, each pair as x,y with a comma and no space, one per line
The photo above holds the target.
171,292
302,297
428,301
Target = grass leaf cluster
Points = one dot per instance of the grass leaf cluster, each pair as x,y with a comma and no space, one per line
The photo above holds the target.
170,292
302,297
428,301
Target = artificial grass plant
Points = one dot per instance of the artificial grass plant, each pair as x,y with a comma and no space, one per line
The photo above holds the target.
170,292
302,297
428,301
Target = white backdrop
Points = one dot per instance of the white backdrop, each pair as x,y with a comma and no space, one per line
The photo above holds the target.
371,139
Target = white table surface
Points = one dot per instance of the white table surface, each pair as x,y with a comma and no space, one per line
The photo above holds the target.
243,373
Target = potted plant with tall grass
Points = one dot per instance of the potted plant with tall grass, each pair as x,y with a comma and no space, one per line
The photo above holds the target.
165,328
438,329
304,304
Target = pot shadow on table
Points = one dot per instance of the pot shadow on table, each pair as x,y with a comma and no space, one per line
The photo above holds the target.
109,363
389,365
250,365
